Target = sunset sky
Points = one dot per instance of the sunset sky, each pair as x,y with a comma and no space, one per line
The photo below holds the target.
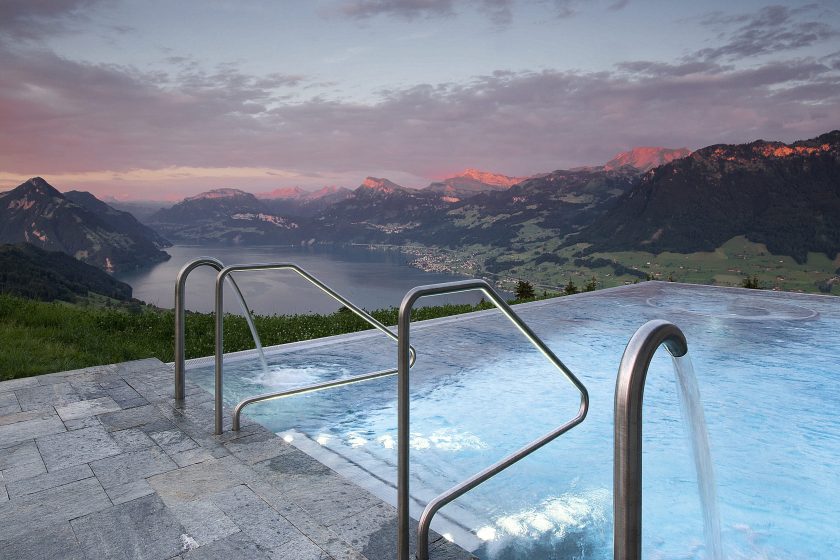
157,99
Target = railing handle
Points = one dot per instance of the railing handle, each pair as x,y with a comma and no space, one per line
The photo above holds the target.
219,322
403,496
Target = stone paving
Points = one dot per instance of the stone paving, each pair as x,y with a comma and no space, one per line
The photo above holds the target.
100,463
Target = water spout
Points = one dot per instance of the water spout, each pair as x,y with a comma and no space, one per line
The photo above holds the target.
250,320
627,468
698,434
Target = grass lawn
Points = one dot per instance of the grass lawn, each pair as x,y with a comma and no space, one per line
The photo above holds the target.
38,337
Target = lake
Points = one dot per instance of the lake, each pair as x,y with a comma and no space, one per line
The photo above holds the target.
370,279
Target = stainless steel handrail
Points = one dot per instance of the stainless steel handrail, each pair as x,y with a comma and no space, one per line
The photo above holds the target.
180,316
220,283
404,324
627,466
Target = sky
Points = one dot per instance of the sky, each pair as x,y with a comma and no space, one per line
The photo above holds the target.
157,100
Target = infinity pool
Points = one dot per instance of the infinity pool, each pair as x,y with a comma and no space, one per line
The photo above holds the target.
768,366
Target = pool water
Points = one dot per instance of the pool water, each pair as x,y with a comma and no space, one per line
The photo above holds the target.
768,368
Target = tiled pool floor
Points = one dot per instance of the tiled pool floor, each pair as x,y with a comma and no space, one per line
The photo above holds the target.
99,463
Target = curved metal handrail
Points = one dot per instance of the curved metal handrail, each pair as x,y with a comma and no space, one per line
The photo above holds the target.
219,361
627,466
404,324
180,317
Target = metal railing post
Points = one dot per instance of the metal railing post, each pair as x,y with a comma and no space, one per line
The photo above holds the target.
180,318
226,273
403,420
627,465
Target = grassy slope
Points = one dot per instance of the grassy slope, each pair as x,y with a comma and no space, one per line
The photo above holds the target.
38,337
728,265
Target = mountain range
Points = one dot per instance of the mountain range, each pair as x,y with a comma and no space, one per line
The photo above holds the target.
786,196
78,224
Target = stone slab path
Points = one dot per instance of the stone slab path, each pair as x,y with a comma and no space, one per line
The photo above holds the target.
99,463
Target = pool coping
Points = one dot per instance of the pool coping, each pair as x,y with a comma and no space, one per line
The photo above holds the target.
102,462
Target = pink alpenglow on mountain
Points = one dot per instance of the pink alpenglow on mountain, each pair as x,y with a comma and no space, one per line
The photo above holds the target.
645,158
218,193
473,181
380,185
488,178
292,193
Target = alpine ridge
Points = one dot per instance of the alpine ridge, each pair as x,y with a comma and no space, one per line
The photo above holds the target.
79,225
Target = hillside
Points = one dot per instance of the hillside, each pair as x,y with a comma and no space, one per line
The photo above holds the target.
784,196
115,218
37,213
30,272
224,216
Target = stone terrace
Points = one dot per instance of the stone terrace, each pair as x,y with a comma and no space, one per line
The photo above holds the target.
99,463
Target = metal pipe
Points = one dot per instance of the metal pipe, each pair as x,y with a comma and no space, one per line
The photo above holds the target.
237,411
219,355
627,466
180,318
403,402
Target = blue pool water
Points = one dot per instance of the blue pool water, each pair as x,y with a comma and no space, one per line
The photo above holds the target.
768,368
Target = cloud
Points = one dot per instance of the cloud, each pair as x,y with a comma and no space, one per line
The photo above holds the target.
407,9
75,119
33,19
770,30
500,12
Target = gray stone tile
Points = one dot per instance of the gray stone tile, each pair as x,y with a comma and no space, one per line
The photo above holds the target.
49,507
129,491
130,417
87,388
124,395
4,495
8,404
21,461
15,417
193,482
58,541
237,545
193,456
64,450
330,498
132,439
140,529
257,447
84,409
30,428
14,384
203,521
255,517
132,466
173,441
80,423
291,462
48,480
299,548
45,396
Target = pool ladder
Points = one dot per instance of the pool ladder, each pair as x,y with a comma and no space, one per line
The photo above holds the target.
627,468
226,272
403,401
